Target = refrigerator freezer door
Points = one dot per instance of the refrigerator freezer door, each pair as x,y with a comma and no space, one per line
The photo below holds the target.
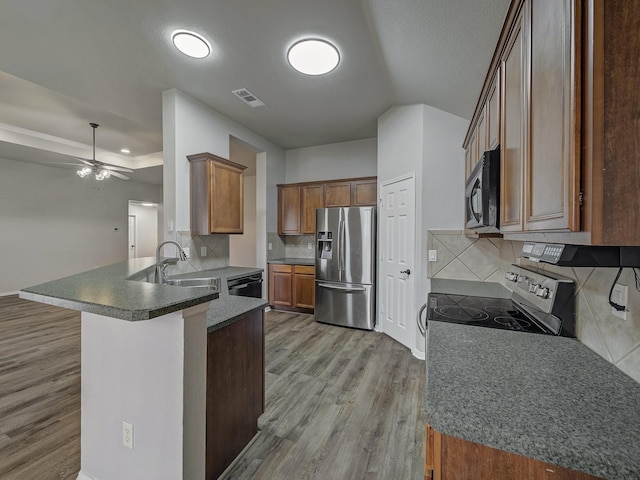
328,248
345,304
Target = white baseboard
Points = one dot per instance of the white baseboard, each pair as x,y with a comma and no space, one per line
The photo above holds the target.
417,353
267,308
84,476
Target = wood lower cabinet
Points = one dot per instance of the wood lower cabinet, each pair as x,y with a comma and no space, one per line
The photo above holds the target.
451,458
235,389
281,285
217,194
292,287
304,286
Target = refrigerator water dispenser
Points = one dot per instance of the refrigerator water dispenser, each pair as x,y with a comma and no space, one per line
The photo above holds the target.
325,244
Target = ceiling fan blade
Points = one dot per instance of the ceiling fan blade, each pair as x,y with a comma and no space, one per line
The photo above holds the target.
118,169
86,162
63,163
119,175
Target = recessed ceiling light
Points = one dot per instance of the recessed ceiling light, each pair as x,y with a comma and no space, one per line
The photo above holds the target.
126,151
147,204
191,44
313,56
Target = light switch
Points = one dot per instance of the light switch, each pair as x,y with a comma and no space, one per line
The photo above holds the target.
203,251
433,255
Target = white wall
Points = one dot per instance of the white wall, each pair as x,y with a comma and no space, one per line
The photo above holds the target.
427,142
327,162
146,229
191,127
54,224
242,248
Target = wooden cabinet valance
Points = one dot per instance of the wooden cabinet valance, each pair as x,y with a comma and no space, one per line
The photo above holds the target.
297,202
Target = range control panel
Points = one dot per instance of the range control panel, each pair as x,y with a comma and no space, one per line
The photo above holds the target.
542,252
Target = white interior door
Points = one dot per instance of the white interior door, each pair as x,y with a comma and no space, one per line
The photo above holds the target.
132,236
397,242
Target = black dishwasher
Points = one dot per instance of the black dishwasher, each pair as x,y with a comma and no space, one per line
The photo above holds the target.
247,286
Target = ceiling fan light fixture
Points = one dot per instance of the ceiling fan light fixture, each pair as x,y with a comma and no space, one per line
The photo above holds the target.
313,56
191,44
83,172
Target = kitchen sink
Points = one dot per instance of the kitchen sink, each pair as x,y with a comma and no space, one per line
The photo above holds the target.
210,283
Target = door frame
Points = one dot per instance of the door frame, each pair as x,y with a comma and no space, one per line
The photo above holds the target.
416,268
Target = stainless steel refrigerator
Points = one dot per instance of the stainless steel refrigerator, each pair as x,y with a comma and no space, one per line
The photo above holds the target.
346,266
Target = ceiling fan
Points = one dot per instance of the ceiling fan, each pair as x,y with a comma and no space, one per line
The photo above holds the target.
100,170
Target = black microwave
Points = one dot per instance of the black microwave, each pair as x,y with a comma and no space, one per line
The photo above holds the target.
482,194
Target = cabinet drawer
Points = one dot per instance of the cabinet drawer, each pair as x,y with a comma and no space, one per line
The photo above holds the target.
280,268
308,269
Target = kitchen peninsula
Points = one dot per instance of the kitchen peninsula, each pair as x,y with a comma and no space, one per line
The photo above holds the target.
151,375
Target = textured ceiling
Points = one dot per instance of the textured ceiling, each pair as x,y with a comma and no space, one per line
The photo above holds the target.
69,62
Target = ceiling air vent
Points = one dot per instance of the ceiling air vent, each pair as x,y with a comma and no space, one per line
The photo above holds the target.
249,98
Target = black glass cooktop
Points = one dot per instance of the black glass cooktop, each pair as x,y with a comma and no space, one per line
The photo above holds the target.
487,312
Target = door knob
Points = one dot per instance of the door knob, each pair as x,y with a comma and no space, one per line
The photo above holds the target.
407,271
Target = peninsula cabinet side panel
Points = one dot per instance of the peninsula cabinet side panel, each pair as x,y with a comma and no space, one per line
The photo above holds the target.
235,389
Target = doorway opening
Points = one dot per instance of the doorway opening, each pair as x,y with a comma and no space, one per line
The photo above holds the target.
143,229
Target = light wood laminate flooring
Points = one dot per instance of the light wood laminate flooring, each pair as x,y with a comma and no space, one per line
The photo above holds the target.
341,404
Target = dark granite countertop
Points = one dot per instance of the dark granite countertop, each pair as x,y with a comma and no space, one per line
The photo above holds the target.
227,308
546,397
294,261
108,291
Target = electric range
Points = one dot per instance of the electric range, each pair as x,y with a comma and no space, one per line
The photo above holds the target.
541,302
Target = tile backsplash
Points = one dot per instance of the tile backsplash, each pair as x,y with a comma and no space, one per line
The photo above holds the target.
487,259
217,252
297,246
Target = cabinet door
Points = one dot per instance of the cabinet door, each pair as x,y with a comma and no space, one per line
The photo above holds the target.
280,285
365,193
493,113
312,199
289,210
482,133
304,286
513,124
550,197
467,162
227,199
337,194
473,145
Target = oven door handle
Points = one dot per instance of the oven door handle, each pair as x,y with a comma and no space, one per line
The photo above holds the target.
423,328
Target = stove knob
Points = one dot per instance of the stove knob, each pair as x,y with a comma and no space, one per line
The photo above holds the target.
533,288
511,276
542,292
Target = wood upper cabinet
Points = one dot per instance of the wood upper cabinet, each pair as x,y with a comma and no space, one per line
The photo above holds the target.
297,202
217,194
493,113
365,193
337,194
552,160
289,221
450,458
312,198
512,142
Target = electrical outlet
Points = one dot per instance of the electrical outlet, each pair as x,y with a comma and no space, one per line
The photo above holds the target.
203,251
433,255
270,246
187,252
309,246
127,435
619,296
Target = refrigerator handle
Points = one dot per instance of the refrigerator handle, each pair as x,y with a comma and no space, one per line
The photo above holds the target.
341,264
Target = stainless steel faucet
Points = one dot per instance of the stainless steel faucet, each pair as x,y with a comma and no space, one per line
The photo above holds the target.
161,265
